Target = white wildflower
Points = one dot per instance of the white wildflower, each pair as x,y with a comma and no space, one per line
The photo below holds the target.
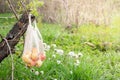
58,62
54,56
59,51
47,47
36,73
42,72
72,54
76,56
55,79
77,63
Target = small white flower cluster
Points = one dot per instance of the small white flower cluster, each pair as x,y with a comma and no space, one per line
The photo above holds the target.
58,62
72,54
59,51
37,73
77,63
76,56
47,47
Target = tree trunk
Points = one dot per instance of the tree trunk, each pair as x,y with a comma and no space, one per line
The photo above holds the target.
13,36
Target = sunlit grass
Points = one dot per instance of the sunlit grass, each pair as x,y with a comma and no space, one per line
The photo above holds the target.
97,63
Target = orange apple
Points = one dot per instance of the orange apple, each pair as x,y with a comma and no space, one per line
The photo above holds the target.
39,63
34,54
26,58
42,56
31,63
34,50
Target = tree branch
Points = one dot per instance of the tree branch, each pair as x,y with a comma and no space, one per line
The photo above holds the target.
12,8
14,35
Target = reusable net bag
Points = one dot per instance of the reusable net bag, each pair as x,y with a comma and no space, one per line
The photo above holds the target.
33,54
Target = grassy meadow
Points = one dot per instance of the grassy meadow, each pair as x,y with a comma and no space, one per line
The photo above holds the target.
89,52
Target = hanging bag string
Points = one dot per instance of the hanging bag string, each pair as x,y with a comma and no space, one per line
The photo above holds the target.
38,30
29,17
9,48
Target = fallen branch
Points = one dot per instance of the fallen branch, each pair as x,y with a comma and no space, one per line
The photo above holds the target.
13,36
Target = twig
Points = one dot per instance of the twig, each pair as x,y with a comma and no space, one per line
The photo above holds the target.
24,6
11,58
23,34
12,8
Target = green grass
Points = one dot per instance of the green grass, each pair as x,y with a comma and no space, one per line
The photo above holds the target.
101,62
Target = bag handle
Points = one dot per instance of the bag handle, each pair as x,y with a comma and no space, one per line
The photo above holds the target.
35,26
29,17
37,30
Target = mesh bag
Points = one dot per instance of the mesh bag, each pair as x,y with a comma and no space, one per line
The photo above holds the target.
33,54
